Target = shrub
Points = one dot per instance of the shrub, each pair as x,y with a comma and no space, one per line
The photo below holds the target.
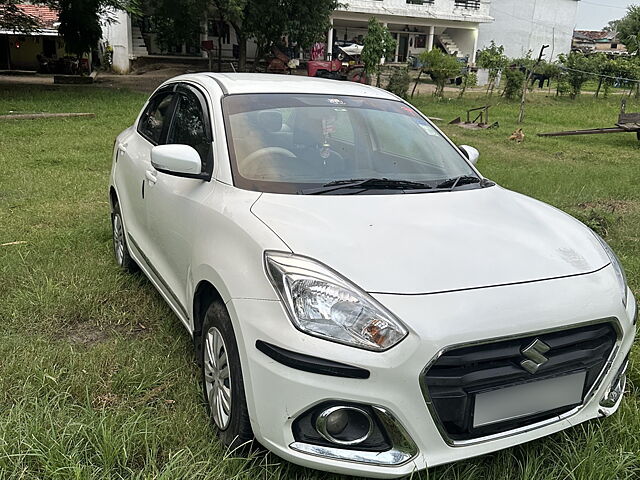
441,67
399,82
515,80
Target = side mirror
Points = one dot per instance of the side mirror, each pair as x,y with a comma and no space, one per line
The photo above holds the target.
471,153
179,160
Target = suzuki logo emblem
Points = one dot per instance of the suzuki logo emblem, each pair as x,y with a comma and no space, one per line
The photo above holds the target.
534,354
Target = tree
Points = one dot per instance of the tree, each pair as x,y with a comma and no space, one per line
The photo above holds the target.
469,80
14,18
628,29
441,67
232,12
378,45
494,60
612,26
176,21
578,69
80,25
268,21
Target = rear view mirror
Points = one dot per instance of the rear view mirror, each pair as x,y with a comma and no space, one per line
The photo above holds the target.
179,160
471,153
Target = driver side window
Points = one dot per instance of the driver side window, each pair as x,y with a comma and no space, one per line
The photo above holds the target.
188,125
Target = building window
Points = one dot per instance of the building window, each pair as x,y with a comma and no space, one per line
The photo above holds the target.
420,2
614,46
219,29
468,4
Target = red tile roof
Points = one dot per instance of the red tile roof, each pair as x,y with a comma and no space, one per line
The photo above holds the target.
597,35
46,16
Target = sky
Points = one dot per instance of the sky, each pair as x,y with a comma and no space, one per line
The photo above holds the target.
595,14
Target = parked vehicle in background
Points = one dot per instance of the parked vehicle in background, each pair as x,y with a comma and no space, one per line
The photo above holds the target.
361,299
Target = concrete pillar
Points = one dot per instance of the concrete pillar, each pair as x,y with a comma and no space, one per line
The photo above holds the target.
430,38
330,41
472,60
382,60
395,57
204,35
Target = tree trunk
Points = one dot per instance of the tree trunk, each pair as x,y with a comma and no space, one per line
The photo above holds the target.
242,52
599,87
242,47
415,85
221,20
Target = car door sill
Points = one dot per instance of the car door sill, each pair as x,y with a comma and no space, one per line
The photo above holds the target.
158,282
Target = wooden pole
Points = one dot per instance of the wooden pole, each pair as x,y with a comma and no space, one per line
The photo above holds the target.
527,79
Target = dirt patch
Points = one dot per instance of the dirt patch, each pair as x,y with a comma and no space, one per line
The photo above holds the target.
105,401
611,206
86,335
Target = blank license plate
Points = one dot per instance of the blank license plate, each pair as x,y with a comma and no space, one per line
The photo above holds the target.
528,399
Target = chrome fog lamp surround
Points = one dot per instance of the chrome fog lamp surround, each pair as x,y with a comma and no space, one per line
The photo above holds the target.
616,389
328,424
402,450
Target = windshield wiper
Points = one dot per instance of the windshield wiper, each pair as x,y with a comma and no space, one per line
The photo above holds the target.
366,184
452,183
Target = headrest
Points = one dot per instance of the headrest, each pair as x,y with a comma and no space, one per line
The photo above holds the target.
269,121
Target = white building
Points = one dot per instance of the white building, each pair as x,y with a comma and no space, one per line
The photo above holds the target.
523,25
418,25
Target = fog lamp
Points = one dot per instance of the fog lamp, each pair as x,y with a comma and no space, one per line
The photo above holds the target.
344,425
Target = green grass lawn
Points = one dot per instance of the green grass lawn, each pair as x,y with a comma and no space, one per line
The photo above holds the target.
97,376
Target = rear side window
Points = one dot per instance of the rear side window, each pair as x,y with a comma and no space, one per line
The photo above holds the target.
188,125
155,117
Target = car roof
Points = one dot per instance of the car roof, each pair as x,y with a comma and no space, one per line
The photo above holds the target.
243,83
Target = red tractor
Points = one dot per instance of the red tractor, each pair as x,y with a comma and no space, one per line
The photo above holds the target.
337,70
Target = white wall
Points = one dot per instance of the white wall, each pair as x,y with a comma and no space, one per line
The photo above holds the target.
118,34
523,25
440,9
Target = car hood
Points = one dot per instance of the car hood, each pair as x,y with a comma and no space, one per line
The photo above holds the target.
433,242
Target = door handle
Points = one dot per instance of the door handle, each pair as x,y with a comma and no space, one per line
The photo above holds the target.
151,177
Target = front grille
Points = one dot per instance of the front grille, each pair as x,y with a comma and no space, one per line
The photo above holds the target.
454,379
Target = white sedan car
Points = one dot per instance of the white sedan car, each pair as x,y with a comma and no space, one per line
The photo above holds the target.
361,299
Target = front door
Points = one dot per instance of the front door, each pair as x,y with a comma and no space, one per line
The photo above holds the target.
174,203
403,47
133,164
4,53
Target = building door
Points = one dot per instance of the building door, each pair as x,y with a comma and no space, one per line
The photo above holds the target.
4,53
403,47
49,47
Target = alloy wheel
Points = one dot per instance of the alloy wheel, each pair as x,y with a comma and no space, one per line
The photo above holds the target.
118,239
217,378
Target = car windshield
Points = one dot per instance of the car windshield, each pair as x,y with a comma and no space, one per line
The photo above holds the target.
288,143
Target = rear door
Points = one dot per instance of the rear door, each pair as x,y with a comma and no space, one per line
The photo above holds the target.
175,203
133,167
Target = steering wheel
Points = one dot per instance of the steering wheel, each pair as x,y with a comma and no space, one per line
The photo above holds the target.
256,165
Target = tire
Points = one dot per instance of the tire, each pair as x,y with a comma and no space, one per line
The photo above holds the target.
222,383
120,247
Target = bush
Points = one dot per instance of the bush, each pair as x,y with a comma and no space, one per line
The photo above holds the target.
515,80
441,67
399,82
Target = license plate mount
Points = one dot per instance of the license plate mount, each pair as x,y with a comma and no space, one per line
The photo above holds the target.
527,399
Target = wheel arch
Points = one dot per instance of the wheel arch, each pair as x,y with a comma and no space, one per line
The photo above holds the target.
204,295
113,197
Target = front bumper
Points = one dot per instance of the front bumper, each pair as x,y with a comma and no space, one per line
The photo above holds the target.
277,394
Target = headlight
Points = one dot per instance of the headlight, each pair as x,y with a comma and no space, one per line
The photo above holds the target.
322,303
615,261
